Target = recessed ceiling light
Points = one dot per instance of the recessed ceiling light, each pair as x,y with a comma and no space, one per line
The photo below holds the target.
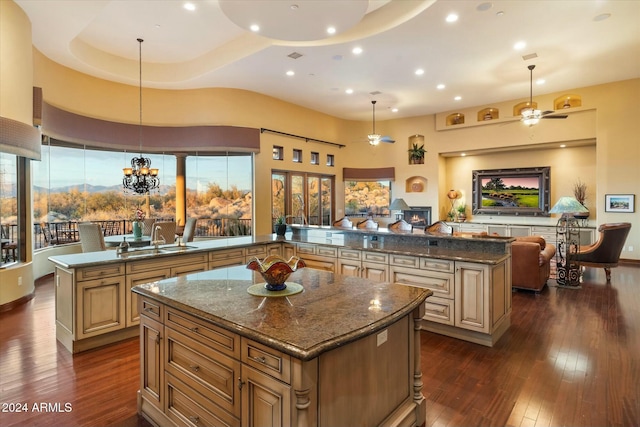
500,13
294,7
563,145
356,50
290,73
394,110
255,28
520,45
189,6
602,17
331,30
452,17
540,81
440,86
349,91
457,98
463,154
419,72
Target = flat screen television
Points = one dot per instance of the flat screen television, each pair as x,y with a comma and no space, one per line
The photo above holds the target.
518,191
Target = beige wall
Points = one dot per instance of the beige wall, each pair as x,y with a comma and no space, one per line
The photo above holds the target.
606,119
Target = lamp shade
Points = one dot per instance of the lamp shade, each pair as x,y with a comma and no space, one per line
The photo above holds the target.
399,205
568,205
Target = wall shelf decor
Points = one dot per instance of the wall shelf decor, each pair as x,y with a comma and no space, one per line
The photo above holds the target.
567,101
455,119
487,114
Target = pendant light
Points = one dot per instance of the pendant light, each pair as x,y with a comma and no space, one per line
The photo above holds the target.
140,178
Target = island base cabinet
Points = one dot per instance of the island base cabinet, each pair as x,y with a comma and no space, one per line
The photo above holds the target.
266,401
151,362
185,381
102,304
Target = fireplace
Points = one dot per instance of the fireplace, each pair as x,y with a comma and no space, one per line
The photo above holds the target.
418,216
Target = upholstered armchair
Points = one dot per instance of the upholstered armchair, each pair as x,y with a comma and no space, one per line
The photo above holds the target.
605,253
344,222
531,262
91,237
368,224
401,226
439,227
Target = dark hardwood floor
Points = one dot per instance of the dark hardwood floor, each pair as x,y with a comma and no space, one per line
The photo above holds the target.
570,358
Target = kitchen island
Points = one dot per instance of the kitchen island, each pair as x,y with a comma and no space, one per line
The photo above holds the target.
345,351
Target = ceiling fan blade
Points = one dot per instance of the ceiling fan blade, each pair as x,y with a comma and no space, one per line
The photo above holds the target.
556,116
388,139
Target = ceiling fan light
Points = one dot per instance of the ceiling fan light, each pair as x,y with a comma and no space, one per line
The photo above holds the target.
374,138
530,116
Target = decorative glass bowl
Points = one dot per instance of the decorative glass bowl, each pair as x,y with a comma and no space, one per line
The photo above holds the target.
275,270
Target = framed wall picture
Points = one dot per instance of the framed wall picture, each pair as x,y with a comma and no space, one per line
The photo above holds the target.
619,202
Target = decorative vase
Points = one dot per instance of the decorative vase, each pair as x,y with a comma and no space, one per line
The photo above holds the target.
275,270
137,230
281,229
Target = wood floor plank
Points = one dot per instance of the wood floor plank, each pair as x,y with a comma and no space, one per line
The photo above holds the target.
570,358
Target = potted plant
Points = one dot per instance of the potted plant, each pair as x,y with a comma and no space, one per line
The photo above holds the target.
462,212
580,193
281,225
416,154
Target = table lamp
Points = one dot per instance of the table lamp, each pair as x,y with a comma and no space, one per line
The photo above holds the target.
399,205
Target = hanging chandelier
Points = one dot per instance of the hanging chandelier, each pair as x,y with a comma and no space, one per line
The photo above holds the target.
140,178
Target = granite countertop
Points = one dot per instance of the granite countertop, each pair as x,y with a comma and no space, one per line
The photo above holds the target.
297,325
412,245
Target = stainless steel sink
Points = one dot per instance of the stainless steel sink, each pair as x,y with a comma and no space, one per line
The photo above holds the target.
139,252
175,248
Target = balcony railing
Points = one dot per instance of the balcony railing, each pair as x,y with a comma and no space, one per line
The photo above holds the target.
63,232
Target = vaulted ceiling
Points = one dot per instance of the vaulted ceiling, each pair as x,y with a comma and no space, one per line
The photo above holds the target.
573,44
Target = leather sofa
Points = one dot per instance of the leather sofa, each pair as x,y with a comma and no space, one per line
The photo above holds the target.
531,259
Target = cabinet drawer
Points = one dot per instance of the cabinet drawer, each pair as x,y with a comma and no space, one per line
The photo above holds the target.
439,282
266,360
436,265
327,251
378,257
189,268
217,338
99,271
352,254
306,249
466,227
186,407
439,310
259,251
203,369
226,253
151,309
404,261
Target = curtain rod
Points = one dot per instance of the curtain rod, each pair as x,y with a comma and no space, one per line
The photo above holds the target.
263,130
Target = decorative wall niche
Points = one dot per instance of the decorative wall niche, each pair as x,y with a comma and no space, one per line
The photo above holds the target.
567,101
455,119
487,114
517,109
416,150
416,184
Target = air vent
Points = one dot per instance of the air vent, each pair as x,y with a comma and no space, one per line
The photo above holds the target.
530,56
375,92
294,55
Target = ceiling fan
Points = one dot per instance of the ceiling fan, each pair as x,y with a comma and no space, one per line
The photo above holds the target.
374,138
531,116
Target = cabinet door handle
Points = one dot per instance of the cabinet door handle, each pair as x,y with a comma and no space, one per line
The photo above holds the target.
194,419
158,338
260,359
194,368
240,383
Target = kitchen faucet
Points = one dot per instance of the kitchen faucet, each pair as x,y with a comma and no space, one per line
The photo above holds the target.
156,241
